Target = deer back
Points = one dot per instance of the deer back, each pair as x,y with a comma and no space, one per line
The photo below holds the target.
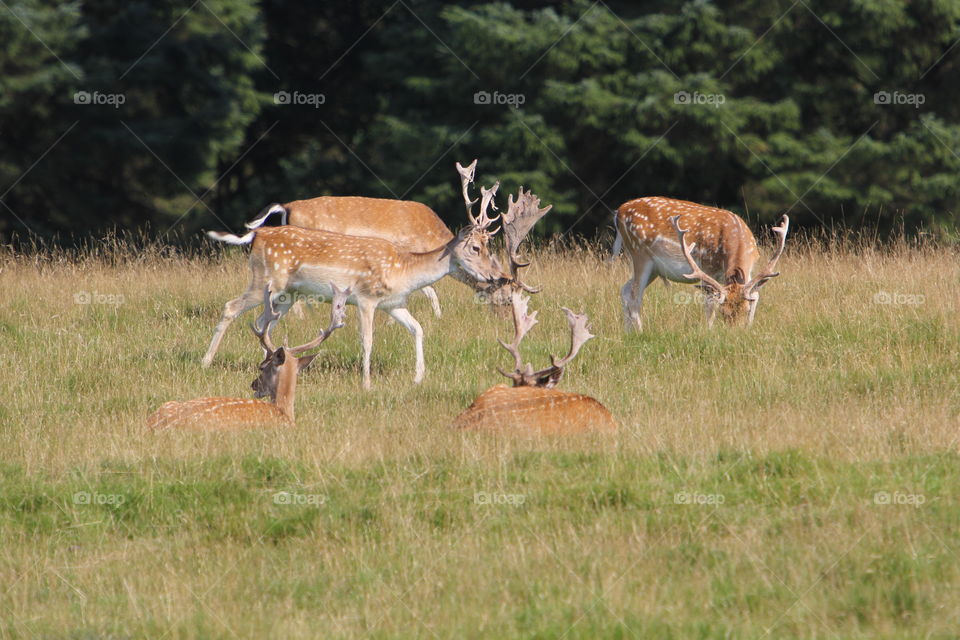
724,242
411,225
217,414
535,411
363,263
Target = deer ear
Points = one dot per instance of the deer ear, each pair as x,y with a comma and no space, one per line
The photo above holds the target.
737,276
305,361
280,356
550,380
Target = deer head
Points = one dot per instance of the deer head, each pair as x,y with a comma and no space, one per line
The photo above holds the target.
279,361
523,375
736,300
471,247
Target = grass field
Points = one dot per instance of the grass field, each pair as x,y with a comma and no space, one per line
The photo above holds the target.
798,479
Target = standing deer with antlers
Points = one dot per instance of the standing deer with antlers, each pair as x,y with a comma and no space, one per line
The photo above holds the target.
380,274
720,258
532,405
411,226
277,380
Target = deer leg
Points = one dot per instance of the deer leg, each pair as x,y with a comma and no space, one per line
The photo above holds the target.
298,309
710,311
403,316
231,310
431,293
631,295
366,337
752,309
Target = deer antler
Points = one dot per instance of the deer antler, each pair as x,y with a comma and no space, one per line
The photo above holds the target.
484,221
261,327
466,179
768,271
520,217
579,334
338,312
522,323
524,375
697,272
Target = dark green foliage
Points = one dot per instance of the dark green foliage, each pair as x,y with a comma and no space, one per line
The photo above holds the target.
840,114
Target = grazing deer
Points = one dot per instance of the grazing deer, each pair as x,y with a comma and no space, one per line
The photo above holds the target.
410,225
532,405
380,274
277,380
720,258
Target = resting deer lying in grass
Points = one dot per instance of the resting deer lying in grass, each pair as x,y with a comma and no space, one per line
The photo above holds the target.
412,226
277,380
720,259
532,405
380,274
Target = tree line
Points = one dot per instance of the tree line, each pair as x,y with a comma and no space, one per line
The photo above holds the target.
181,115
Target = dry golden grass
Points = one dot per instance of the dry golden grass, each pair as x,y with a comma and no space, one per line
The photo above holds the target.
738,499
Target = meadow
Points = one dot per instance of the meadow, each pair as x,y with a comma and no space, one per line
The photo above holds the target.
792,480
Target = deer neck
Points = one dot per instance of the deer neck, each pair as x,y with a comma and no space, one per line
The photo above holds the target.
287,388
425,268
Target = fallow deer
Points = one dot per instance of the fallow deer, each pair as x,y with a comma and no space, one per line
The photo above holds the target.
532,405
380,274
277,380
410,225
720,258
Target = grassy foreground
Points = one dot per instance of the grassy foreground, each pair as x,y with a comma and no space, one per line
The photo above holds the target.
794,480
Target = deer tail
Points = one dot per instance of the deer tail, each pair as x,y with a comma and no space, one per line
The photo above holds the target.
266,213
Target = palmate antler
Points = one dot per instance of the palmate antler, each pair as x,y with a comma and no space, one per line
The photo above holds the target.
261,328
519,219
523,374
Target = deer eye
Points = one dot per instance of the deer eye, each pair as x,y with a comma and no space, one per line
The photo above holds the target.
476,248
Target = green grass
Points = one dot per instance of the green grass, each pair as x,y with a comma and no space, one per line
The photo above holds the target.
744,496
